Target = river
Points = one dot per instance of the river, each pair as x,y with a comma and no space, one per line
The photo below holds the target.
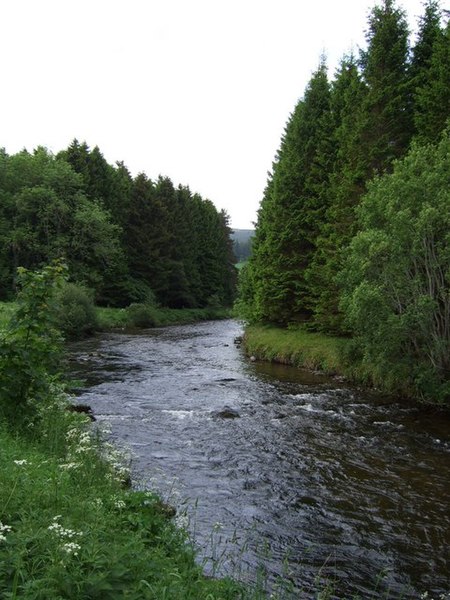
312,481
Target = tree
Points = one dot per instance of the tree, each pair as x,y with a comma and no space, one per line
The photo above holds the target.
345,188
397,276
432,106
385,126
293,207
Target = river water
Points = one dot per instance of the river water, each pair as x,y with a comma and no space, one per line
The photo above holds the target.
313,481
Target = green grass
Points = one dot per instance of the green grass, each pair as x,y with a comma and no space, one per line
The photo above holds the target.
296,347
119,318
113,318
69,529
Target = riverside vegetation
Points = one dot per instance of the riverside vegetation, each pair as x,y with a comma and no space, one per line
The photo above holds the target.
70,526
353,232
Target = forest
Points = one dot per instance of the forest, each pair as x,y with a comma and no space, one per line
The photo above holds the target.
128,239
353,231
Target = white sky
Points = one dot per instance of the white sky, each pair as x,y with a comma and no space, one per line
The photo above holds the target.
198,90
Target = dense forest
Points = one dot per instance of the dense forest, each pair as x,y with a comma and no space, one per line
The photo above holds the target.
127,239
353,229
242,243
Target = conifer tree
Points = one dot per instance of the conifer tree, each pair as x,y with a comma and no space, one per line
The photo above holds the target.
293,207
432,106
346,185
386,124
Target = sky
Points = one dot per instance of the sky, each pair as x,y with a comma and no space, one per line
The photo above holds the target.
196,90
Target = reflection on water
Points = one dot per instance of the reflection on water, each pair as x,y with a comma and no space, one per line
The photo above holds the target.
312,479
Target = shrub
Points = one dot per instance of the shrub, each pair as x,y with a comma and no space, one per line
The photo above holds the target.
75,312
397,275
30,347
142,315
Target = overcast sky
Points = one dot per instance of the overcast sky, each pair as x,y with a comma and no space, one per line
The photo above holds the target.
198,90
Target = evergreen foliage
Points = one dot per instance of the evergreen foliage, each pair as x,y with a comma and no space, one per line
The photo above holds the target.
294,206
315,207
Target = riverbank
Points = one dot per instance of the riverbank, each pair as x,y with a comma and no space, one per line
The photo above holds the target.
316,352
335,356
298,348
125,318
69,528
137,316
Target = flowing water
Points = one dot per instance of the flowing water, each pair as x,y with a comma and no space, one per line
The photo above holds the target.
312,480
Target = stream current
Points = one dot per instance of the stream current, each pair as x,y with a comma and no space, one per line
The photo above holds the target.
313,480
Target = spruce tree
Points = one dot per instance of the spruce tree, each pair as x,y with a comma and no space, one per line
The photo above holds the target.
432,106
346,185
293,208
386,124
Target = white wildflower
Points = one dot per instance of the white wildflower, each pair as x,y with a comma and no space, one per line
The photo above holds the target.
62,532
182,521
119,504
20,463
71,466
71,548
4,529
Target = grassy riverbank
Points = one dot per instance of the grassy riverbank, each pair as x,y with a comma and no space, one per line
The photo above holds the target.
69,529
113,318
137,316
297,347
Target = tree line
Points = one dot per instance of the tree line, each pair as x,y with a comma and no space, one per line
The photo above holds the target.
352,236
129,239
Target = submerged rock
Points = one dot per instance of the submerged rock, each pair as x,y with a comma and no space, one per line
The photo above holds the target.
226,413
82,408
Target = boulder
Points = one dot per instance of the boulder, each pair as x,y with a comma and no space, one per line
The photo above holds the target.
226,413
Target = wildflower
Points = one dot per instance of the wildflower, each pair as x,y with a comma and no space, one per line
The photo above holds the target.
182,521
3,530
71,466
20,463
71,548
119,504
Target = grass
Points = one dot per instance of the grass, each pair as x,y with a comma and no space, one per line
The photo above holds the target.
114,318
69,528
296,347
119,318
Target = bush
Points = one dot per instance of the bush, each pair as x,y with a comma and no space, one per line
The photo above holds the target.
75,312
142,315
30,347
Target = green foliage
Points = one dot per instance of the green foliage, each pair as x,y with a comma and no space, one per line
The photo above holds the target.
294,205
397,276
141,315
385,122
30,347
123,238
75,311
432,94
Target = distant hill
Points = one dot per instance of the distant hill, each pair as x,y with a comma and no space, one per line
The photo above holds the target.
242,243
